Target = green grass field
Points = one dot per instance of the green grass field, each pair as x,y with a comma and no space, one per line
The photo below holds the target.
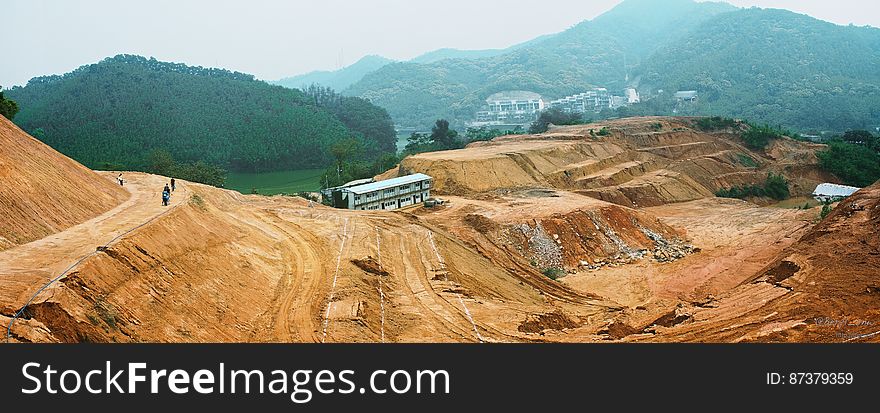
273,183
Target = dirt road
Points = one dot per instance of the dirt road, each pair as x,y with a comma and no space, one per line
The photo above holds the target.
26,268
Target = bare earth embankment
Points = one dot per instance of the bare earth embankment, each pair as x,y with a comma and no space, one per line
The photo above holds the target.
43,191
627,224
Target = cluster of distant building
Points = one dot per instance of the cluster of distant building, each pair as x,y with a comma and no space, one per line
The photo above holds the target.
514,108
520,107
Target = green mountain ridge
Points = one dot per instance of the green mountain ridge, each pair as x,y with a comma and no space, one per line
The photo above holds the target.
343,78
766,65
592,53
775,66
452,53
115,113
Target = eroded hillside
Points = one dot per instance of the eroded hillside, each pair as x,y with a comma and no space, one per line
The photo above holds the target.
825,287
641,162
43,191
565,236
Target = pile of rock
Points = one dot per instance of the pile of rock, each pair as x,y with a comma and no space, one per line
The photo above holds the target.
668,250
543,249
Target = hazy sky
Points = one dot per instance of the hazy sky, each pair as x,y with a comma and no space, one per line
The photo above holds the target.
274,39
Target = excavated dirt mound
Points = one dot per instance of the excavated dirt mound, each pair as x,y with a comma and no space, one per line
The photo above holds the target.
823,287
43,192
637,164
593,238
558,230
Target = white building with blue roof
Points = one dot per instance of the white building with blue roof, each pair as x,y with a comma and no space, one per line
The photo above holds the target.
385,195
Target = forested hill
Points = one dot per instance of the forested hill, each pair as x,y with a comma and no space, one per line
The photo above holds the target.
775,66
592,53
115,113
767,65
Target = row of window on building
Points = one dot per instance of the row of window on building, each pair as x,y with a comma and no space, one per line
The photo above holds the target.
383,195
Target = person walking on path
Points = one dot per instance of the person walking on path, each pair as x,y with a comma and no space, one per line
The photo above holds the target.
120,180
166,195
172,184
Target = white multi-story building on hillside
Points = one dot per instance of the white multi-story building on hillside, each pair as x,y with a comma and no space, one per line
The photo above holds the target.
513,107
593,100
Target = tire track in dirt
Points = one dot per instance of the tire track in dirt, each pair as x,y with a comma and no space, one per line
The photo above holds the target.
297,288
295,316
437,314
346,235
445,271
303,301
381,294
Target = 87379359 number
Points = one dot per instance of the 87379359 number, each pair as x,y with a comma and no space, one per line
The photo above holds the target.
810,378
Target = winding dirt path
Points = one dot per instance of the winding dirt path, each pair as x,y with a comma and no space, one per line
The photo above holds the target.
26,268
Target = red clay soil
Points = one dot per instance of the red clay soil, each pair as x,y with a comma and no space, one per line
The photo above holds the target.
655,258
636,165
43,192
823,288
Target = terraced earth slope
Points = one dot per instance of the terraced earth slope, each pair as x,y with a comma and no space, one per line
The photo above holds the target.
641,162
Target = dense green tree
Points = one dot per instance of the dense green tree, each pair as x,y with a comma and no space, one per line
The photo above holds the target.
714,123
8,107
161,162
200,172
117,112
484,133
856,165
369,122
861,137
345,152
442,136
350,170
757,137
418,142
775,186
555,117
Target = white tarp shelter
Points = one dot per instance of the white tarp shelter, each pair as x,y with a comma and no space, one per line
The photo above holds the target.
833,192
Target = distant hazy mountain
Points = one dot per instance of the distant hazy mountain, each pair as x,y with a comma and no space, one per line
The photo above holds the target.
775,66
447,53
641,26
345,77
337,79
588,54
